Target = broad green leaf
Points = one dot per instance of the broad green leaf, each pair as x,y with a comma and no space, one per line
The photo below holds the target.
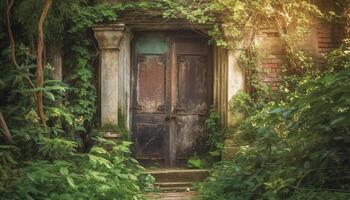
71,182
64,171
50,96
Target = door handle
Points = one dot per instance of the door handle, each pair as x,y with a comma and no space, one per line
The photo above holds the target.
179,109
169,117
138,107
161,108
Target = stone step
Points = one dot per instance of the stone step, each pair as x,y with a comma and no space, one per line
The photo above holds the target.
173,196
178,175
173,184
175,189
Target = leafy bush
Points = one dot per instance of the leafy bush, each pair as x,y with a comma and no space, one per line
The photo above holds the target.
197,162
99,174
300,145
214,144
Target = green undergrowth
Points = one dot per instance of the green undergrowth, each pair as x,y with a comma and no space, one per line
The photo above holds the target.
66,174
214,144
299,142
65,159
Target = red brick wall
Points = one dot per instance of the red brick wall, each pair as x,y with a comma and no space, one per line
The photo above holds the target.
271,57
270,70
329,37
323,38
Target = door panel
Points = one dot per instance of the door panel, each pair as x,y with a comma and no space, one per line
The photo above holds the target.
191,45
191,136
192,84
149,109
150,84
171,96
151,144
150,129
193,88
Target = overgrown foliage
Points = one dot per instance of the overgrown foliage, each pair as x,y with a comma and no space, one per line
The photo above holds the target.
99,174
299,142
214,144
52,163
66,159
299,145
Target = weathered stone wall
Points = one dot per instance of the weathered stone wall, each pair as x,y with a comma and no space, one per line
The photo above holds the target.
55,59
124,61
228,81
108,38
220,64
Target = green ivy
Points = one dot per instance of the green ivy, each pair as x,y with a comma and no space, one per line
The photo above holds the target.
83,92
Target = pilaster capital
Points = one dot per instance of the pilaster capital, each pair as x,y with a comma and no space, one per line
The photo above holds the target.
108,36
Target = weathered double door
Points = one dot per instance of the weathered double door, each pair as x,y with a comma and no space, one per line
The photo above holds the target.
172,82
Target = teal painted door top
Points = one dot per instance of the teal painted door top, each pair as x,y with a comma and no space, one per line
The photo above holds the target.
151,43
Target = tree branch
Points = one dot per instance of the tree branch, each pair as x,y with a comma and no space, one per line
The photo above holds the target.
41,62
9,5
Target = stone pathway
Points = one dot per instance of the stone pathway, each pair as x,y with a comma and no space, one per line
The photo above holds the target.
173,196
176,184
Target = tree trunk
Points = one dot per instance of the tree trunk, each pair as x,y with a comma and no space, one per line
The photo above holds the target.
347,20
6,131
9,5
41,62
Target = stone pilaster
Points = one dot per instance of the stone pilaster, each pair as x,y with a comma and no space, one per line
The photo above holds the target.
235,83
56,61
108,37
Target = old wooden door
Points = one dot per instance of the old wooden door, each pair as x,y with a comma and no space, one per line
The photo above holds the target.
172,82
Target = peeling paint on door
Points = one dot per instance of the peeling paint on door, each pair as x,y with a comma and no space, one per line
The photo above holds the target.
150,84
172,94
193,90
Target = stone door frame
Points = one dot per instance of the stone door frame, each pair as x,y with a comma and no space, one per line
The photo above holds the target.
114,42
